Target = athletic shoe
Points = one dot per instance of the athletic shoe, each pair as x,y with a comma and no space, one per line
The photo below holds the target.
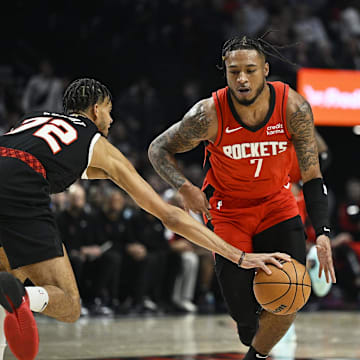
19,326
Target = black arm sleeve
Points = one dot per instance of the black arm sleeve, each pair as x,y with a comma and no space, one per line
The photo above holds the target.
315,195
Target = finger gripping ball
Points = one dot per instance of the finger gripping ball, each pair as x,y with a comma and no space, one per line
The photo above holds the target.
285,291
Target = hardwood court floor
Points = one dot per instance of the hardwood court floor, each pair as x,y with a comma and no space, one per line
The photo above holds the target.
319,335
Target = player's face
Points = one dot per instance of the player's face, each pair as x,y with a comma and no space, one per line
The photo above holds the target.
246,71
103,116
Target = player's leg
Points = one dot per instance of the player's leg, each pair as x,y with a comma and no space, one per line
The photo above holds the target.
31,248
287,236
236,287
57,278
236,283
55,294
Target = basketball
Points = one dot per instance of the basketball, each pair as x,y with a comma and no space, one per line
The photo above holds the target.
285,291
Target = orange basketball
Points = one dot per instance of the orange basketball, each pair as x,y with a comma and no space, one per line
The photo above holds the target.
285,291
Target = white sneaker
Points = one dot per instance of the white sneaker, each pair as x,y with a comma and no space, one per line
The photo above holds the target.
186,305
150,305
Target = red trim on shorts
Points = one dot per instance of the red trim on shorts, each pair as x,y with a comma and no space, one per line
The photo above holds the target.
27,158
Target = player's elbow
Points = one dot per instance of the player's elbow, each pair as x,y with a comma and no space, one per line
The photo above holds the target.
152,151
157,151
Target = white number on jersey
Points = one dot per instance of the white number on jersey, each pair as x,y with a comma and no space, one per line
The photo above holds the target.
52,131
258,166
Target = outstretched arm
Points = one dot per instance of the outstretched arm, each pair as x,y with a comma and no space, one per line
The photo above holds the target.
198,124
109,162
300,123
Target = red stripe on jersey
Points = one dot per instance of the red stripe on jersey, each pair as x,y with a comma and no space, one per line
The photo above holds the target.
27,158
250,162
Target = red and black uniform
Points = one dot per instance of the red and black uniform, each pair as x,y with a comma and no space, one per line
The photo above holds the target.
45,153
252,205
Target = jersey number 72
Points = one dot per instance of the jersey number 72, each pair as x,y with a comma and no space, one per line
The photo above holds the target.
51,131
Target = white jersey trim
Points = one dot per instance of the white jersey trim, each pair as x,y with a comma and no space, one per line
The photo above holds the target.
95,138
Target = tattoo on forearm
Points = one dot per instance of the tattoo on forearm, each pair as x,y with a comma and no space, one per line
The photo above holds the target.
301,125
181,137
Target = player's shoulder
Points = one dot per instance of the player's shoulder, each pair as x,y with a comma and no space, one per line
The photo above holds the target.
77,121
295,100
204,107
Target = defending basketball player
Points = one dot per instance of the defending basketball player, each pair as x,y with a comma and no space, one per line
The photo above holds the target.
45,153
250,128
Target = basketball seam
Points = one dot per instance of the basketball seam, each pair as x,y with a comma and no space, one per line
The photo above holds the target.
264,283
284,292
292,263
305,272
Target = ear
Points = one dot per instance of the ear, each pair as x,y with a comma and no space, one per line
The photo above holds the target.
95,109
266,69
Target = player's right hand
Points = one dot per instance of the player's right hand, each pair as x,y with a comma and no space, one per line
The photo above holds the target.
252,260
194,199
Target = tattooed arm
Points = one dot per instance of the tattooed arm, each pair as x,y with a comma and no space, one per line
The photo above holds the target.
300,124
198,124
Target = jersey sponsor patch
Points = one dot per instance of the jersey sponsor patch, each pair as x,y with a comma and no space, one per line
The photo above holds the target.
275,129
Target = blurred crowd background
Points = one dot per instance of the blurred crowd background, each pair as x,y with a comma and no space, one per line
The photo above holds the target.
159,57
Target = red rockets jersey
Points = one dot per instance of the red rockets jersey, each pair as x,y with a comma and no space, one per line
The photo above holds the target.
250,162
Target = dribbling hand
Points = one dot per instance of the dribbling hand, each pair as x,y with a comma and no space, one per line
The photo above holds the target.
252,260
324,254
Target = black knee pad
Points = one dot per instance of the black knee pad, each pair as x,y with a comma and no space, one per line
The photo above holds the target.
246,334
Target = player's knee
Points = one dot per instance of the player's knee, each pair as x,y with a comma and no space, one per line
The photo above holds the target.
246,334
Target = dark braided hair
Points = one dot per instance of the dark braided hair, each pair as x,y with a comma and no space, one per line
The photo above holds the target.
82,93
260,45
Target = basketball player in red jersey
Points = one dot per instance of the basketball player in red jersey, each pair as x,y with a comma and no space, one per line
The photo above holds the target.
251,127
45,153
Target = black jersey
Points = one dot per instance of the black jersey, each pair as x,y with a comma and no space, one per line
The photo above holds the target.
62,144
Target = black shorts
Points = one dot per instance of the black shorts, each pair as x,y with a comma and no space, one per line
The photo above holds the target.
28,230
237,284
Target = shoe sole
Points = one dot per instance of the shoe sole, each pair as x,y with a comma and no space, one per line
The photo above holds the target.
19,325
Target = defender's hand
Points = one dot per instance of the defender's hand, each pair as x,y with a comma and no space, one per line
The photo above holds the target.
252,260
324,254
195,200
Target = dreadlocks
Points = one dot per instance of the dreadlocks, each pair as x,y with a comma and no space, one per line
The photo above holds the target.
260,45
83,93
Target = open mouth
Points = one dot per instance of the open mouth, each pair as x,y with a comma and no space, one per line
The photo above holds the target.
244,91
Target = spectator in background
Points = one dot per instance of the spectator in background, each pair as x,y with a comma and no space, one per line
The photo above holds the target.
44,90
112,229
346,243
93,266
350,20
144,262
183,290
137,106
248,18
310,31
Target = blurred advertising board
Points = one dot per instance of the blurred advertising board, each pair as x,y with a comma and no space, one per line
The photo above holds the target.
334,95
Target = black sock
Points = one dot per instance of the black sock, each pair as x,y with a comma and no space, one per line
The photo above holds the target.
252,354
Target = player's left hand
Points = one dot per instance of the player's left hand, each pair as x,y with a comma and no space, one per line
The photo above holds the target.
324,254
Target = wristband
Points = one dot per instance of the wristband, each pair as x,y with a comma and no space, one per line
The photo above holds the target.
241,259
315,195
